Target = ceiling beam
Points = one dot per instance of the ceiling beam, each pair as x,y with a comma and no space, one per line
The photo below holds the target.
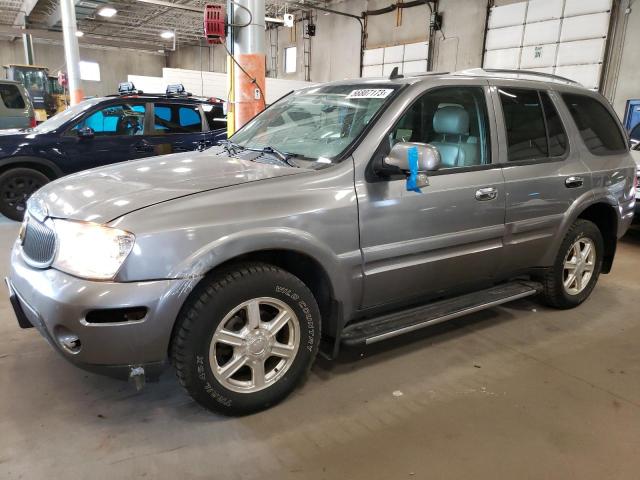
92,40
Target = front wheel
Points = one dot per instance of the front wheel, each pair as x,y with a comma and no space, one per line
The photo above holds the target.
246,338
16,186
577,266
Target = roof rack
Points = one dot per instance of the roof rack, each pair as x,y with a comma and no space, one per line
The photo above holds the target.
550,76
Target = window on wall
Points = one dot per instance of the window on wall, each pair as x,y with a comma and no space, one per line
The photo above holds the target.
290,56
90,71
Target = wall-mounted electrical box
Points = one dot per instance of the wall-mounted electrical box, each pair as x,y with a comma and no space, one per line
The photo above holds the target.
288,20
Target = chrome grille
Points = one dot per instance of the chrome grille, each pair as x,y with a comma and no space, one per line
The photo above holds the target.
39,243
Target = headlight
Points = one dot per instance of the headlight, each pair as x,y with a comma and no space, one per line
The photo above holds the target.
90,250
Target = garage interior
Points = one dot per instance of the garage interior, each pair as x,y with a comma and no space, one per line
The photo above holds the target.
516,391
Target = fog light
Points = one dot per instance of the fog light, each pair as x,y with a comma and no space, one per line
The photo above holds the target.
69,341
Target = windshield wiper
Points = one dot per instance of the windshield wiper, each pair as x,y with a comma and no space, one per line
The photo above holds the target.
231,147
280,155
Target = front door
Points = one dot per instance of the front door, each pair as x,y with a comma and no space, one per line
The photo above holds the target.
448,237
118,135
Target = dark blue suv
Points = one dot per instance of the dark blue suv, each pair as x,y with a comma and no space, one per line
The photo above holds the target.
100,131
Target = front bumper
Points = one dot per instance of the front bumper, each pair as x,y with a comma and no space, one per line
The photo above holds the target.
54,303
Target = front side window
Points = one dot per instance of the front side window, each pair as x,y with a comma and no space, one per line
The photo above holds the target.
122,120
318,123
172,118
597,127
11,96
454,120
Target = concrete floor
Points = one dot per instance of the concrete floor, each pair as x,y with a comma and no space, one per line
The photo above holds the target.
511,393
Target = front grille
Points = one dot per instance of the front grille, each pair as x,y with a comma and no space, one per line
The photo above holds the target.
39,243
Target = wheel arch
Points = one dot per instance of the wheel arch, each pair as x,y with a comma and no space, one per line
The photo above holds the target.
42,165
604,216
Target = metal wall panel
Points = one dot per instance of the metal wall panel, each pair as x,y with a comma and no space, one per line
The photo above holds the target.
507,37
538,56
541,32
584,27
580,52
566,37
541,10
507,58
584,7
416,51
508,15
415,66
373,56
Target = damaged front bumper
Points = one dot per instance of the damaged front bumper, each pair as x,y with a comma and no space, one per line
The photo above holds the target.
110,328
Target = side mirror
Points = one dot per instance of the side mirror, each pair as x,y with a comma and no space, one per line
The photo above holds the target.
86,132
428,157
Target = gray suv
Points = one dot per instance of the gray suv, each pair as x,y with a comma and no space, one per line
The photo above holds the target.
345,214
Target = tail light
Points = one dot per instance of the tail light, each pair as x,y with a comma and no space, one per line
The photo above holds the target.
32,122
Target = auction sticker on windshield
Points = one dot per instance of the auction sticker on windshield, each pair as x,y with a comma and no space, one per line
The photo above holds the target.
370,93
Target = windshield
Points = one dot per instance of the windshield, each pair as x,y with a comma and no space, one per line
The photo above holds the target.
63,117
33,80
318,123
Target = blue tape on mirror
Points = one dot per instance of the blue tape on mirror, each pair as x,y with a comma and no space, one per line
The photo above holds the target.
412,179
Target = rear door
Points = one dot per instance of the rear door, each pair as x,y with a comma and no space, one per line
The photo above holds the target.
176,127
543,171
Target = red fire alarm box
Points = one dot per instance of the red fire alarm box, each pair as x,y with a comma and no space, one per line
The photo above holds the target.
214,24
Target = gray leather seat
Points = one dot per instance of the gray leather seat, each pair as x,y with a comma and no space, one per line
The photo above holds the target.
457,149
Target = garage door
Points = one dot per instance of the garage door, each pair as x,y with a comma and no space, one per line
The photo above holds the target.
564,37
409,58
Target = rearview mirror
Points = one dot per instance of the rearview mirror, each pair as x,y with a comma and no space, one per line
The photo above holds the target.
428,157
86,132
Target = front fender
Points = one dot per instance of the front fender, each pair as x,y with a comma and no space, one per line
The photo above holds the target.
228,247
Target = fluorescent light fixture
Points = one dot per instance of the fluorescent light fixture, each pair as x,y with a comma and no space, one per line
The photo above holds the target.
79,33
167,34
107,12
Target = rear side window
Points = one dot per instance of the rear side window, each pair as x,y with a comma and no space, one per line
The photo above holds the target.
11,96
525,124
597,127
173,118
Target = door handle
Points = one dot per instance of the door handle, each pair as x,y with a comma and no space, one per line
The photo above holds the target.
573,182
487,193
144,148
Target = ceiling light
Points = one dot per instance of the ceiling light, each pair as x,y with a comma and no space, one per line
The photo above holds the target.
107,12
167,34
79,33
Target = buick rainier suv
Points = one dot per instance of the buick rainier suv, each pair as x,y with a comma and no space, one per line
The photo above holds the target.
343,215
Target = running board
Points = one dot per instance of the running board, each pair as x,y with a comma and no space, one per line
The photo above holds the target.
397,323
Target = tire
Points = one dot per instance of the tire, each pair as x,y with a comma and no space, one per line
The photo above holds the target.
218,314
560,289
16,186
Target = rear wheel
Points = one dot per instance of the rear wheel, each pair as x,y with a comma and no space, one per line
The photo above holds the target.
577,266
246,338
16,186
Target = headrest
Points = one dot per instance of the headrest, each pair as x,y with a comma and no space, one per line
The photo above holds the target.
451,120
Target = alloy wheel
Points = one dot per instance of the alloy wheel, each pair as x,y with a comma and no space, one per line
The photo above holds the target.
579,265
254,345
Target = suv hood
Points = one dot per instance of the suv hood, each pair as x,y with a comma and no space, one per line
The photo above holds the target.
104,194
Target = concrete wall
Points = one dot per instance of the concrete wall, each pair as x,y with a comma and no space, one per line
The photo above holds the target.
210,58
115,64
335,50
